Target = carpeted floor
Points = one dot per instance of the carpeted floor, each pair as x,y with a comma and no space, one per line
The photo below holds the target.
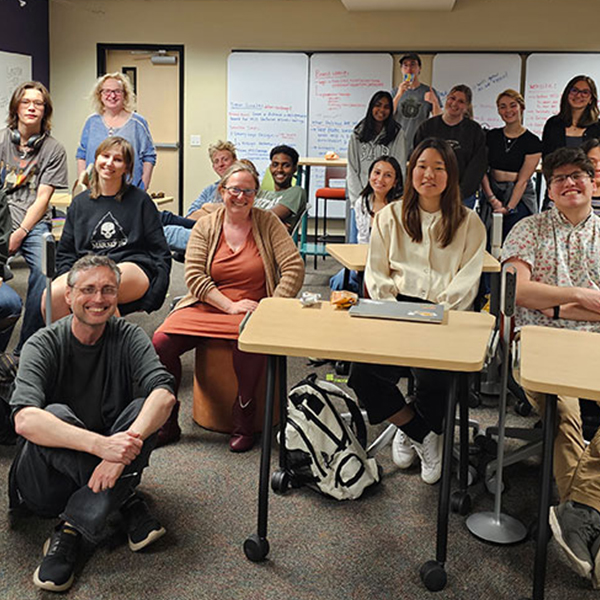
370,549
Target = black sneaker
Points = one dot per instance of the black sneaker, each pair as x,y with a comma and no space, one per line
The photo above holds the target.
142,528
576,527
55,572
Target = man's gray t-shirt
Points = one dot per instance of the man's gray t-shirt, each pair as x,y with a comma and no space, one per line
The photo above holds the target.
411,111
293,198
21,176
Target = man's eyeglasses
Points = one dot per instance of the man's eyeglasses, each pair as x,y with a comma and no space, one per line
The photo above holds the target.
115,93
578,92
36,103
576,177
90,290
236,191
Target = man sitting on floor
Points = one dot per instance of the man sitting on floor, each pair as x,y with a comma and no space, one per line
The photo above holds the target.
557,257
287,202
90,394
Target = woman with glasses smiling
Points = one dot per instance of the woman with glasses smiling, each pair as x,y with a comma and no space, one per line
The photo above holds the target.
577,120
114,102
236,256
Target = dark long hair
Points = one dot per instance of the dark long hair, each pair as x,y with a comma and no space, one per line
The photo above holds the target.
590,114
453,210
393,194
367,128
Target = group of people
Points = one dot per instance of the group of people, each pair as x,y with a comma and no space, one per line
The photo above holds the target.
93,396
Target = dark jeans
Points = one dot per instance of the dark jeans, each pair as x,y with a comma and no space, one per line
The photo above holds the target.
53,481
376,386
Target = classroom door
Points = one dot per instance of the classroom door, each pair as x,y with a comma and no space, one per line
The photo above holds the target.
157,86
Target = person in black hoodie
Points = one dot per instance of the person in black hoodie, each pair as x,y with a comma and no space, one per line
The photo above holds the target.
118,220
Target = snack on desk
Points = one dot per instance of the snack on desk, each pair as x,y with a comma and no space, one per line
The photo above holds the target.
343,299
331,155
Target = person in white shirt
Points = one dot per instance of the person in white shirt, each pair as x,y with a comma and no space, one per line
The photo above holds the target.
427,248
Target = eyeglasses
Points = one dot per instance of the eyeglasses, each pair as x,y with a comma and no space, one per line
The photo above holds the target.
36,103
115,93
579,92
90,290
236,191
576,177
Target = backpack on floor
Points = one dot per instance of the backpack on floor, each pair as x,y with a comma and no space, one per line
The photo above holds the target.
322,449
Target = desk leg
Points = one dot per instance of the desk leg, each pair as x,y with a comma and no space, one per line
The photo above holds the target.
539,571
433,573
461,501
346,282
256,546
495,294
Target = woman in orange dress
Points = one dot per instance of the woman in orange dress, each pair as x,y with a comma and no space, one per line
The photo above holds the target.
236,256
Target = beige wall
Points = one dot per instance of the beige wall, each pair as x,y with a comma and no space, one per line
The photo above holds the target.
210,29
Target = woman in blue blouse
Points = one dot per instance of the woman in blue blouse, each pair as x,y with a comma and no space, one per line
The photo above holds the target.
114,101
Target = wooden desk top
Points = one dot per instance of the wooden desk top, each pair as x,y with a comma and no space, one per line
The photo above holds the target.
560,361
320,161
63,200
354,257
282,326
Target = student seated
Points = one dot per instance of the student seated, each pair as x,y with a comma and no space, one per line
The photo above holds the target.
427,248
287,202
557,257
177,230
118,220
592,149
385,186
236,256
86,435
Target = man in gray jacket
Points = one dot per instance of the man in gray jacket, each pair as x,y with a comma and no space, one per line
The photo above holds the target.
90,394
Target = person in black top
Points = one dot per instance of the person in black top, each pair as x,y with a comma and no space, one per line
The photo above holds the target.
577,120
464,135
592,149
513,155
115,219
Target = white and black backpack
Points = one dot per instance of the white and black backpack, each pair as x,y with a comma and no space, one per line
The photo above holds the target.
322,450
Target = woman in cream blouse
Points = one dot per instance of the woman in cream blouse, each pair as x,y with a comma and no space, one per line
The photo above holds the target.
427,248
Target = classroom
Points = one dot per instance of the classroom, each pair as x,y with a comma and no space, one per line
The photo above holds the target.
206,497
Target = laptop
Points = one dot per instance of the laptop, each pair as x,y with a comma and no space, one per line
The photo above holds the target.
403,311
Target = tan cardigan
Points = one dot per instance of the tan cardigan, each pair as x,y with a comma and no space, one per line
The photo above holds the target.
284,268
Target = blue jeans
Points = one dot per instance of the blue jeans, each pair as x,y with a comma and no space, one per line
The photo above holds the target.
177,237
31,250
10,311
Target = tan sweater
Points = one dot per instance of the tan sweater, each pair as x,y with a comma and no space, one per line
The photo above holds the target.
284,268
397,265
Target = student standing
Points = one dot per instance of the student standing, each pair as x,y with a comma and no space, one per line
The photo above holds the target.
378,134
513,155
414,102
465,137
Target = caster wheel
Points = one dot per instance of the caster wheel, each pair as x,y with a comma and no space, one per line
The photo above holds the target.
486,444
472,476
342,368
523,408
490,485
256,548
474,399
433,576
460,503
281,482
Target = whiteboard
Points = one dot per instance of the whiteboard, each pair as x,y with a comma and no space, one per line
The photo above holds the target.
546,77
267,103
341,86
14,70
486,74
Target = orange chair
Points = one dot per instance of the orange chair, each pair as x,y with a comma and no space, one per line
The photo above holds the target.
215,388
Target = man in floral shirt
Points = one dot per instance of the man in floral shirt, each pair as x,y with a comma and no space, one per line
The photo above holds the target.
557,257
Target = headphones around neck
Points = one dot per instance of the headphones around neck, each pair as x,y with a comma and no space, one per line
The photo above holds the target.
34,142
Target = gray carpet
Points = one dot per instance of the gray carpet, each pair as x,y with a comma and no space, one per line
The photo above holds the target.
370,549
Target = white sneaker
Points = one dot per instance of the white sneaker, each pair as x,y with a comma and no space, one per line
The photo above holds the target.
403,453
430,452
